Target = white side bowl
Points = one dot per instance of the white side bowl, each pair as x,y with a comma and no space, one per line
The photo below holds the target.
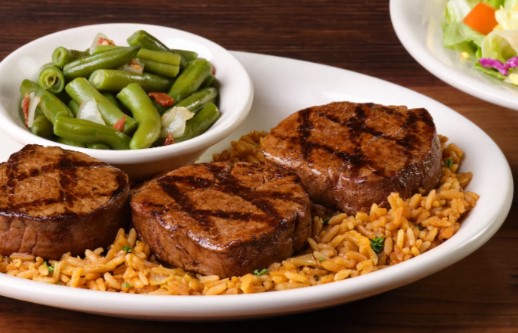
235,95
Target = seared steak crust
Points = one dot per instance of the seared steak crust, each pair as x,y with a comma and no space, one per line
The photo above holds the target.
351,155
222,218
54,201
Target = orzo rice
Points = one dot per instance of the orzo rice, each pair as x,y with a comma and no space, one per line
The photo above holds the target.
341,247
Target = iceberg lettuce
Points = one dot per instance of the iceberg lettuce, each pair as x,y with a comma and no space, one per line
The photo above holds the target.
500,45
457,35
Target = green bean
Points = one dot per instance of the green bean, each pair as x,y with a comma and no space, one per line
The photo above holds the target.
146,40
87,132
108,59
187,55
111,98
190,79
115,80
74,107
201,121
51,78
164,57
198,99
148,118
97,145
159,68
104,48
50,105
160,62
42,127
210,81
82,91
70,142
62,56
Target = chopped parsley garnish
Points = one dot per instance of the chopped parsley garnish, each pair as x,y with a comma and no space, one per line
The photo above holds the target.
448,162
126,285
377,244
260,272
127,248
50,268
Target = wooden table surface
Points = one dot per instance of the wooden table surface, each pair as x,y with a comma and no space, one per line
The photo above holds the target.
477,294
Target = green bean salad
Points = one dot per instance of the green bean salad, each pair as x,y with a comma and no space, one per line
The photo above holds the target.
110,96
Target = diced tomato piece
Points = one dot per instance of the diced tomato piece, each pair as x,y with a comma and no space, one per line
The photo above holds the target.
25,108
104,41
119,125
136,66
169,139
162,98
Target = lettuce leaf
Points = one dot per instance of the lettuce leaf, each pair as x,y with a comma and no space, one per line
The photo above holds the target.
507,15
491,72
500,45
460,37
457,35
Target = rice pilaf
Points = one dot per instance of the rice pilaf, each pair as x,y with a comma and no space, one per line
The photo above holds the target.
342,246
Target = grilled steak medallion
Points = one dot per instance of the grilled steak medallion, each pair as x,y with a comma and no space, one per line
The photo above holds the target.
222,218
351,155
54,201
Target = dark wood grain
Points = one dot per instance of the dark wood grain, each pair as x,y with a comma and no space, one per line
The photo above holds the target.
477,294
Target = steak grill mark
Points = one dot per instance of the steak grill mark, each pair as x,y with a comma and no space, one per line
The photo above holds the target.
67,171
356,125
226,183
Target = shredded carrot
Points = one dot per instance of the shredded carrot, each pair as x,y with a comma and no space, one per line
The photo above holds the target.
481,18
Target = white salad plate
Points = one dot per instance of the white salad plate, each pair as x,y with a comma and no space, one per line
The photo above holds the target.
283,86
417,24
